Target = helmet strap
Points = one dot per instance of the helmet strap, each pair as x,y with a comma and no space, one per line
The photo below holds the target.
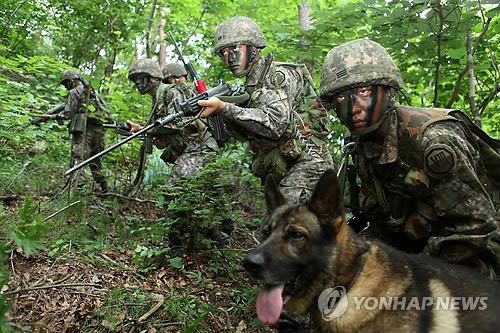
252,57
375,126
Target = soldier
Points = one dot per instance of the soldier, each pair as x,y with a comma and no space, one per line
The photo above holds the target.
174,73
424,174
74,110
186,144
283,122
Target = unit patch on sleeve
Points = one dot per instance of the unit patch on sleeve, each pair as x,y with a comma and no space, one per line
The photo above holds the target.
278,78
439,160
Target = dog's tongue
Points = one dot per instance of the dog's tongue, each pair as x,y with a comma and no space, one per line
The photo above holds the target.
270,304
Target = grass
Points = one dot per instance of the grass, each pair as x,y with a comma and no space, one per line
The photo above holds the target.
121,249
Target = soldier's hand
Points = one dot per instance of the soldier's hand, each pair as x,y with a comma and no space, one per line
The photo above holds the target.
212,106
44,117
134,127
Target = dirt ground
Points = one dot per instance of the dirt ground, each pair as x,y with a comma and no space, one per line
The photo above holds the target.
76,292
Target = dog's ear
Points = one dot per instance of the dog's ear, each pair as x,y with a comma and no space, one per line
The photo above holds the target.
273,196
326,200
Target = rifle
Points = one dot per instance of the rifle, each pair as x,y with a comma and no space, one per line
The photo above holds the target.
54,110
188,108
361,217
119,126
216,121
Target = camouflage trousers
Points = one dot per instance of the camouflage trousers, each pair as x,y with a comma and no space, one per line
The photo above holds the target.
188,164
90,145
299,182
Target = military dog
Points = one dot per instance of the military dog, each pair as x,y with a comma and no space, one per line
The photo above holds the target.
311,261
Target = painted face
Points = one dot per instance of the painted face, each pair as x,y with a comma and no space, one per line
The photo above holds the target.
175,79
69,84
236,58
143,83
361,107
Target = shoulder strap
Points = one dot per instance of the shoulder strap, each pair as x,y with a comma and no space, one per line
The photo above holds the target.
494,143
268,61
304,71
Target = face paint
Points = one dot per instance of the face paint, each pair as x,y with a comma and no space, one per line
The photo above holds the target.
68,84
236,58
142,82
361,107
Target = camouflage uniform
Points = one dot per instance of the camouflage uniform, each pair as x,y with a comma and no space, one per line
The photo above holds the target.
423,171
187,144
431,177
283,122
93,142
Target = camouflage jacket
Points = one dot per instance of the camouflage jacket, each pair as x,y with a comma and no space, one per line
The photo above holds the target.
98,112
428,180
282,121
186,136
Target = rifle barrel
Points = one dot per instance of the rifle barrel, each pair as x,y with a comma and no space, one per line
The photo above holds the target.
105,151
222,89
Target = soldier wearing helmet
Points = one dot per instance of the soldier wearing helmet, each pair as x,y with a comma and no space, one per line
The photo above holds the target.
283,121
97,115
146,75
423,170
174,73
185,144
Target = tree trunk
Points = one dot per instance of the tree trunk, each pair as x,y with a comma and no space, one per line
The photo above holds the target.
306,24
109,68
470,72
163,45
148,32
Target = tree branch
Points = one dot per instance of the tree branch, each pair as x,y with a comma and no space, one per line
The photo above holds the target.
488,99
194,30
5,35
160,299
439,10
61,210
61,285
462,73
148,32
472,91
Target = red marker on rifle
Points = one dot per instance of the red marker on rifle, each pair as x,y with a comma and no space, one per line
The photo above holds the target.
216,121
198,82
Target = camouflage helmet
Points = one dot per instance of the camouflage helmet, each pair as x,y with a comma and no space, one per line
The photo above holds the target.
238,30
145,66
176,70
360,62
70,74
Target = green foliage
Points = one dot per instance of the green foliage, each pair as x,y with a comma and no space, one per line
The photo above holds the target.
4,275
30,229
27,87
202,204
40,39
426,38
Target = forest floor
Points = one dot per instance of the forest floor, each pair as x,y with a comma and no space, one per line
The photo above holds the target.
96,283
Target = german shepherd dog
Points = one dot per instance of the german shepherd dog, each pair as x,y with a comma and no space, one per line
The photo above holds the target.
311,261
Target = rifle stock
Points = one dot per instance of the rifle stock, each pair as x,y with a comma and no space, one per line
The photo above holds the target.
54,110
119,126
